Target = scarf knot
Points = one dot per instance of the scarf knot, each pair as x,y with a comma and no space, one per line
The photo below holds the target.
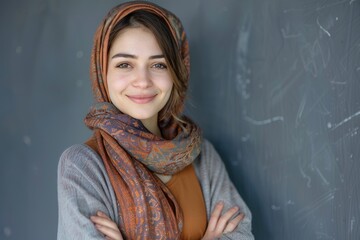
160,155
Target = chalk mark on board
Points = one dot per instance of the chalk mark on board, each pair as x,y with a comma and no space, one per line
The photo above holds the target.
322,28
350,133
324,110
27,140
322,176
245,138
345,120
264,122
19,49
350,49
331,5
313,58
350,27
7,231
278,91
286,32
304,175
243,75
354,131
241,86
290,202
320,201
321,235
316,103
352,222
288,35
338,83
314,166
300,111
351,1
275,208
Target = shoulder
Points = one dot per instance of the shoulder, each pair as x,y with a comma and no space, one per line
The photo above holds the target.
78,154
209,156
79,158
207,148
209,162
78,151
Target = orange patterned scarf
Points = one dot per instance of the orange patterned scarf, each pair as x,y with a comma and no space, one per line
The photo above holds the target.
131,153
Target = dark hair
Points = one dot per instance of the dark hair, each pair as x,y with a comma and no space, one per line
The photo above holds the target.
172,53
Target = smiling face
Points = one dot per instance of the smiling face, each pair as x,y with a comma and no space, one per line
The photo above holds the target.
139,81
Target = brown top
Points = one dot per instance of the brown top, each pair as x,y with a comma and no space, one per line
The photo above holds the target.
186,189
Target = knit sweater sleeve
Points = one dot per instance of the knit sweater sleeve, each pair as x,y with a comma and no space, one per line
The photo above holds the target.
217,186
83,189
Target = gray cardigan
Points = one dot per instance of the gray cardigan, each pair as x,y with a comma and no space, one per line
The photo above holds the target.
84,188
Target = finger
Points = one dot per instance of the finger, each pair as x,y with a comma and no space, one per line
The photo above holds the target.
104,222
109,232
225,218
101,214
234,223
215,216
109,238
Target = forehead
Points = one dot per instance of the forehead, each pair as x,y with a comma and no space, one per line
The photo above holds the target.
135,36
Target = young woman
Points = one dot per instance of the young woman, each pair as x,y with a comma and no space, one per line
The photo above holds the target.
146,173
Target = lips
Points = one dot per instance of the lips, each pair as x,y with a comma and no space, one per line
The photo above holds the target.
141,99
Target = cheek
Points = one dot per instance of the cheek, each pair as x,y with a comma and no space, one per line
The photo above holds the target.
115,86
167,85
169,88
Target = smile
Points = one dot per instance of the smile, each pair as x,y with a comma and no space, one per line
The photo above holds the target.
141,99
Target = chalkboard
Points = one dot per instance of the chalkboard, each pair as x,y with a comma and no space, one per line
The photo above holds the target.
277,91
274,85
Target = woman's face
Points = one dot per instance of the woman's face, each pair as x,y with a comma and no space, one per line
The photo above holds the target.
139,82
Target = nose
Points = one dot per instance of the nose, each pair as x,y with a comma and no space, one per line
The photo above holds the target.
142,79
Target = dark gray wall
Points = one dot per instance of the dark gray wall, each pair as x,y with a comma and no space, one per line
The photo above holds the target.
274,85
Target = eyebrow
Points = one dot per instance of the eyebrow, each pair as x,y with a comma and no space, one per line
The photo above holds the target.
125,55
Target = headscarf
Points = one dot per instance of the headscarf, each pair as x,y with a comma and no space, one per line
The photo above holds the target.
131,154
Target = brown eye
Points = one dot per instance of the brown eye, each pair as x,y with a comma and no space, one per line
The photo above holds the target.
123,65
160,66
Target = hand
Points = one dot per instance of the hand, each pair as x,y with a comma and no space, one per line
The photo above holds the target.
106,226
219,225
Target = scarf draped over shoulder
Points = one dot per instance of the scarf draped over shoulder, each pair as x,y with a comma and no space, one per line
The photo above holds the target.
131,154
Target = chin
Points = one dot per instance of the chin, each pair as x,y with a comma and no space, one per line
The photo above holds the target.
142,116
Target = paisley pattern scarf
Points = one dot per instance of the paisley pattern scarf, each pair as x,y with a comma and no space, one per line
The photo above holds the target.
131,153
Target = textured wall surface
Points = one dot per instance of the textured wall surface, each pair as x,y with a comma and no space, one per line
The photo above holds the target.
274,85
